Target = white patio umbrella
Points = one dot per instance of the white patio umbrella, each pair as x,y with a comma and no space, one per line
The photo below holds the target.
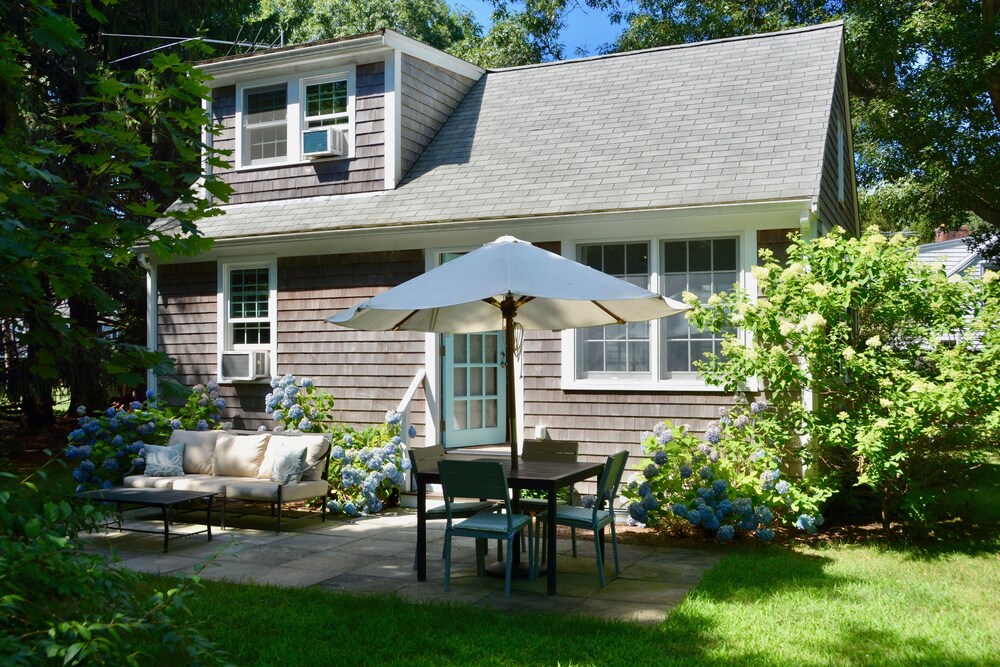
502,284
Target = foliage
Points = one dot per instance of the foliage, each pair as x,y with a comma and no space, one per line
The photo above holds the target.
110,445
730,483
367,467
888,367
298,405
81,180
60,605
924,80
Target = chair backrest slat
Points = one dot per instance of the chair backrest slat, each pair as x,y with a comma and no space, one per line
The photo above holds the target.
550,450
422,456
474,479
611,477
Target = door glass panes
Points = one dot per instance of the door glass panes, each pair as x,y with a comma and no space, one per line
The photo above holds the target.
475,388
618,349
265,125
703,267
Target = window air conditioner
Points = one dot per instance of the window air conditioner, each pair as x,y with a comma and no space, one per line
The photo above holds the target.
324,142
249,365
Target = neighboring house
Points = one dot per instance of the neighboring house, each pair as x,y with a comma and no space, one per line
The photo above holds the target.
955,257
670,167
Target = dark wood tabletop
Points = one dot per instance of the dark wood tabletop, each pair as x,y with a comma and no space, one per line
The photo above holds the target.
546,476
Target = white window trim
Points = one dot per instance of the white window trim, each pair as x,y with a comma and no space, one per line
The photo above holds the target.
295,87
224,344
746,255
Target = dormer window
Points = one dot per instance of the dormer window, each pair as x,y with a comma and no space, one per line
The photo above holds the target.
276,115
265,125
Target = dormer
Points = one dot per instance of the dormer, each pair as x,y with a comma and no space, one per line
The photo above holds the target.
343,116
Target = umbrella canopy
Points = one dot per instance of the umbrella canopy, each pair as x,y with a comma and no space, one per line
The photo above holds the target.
501,283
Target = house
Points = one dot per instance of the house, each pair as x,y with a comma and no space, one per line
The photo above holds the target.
359,163
955,256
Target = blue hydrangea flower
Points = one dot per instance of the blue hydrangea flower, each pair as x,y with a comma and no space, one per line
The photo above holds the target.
742,422
262,429
72,452
665,437
765,534
637,512
693,517
660,428
713,434
117,441
406,464
412,432
711,523
287,381
392,417
335,506
679,509
725,533
644,489
111,465
136,405
350,509
806,523
88,467
93,427
719,486
84,451
725,507
703,492
686,471
705,472
307,383
650,503
220,403
706,513
202,425
782,487
758,406
291,391
348,440
150,394
274,383
296,412
660,458
649,472
81,410
337,452
278,416
763,514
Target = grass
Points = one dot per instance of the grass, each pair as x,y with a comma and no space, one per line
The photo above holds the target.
833,605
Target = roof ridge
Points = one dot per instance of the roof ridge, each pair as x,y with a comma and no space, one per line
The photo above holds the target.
686,45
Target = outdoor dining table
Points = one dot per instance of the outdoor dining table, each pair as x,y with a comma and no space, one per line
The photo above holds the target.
547,476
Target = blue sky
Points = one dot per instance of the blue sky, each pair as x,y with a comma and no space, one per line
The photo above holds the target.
586,28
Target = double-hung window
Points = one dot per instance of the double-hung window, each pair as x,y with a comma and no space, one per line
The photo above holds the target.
248,303
265,125
661,353
326,103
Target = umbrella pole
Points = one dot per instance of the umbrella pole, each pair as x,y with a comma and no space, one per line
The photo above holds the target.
508,310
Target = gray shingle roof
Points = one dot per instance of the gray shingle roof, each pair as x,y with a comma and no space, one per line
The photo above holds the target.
728,121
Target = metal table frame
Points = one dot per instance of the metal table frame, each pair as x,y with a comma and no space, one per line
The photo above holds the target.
165,499
548,476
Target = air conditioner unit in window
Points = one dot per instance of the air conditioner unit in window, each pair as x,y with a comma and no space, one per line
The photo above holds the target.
324,142
249,365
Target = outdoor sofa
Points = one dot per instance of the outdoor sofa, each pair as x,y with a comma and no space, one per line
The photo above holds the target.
272,468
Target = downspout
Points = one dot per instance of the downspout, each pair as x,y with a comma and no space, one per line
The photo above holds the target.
151,313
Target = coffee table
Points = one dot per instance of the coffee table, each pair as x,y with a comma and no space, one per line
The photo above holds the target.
165,499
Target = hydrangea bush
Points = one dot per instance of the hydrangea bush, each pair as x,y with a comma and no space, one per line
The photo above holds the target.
109,445
298,405
728,483
367,467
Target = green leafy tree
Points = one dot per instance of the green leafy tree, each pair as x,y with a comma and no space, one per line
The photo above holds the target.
924,81
82,175
888,369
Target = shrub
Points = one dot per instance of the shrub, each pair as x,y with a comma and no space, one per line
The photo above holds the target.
730,483
60,605
110,445
298,405
888,367
367,467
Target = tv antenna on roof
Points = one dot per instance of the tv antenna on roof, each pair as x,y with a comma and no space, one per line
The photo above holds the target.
175,41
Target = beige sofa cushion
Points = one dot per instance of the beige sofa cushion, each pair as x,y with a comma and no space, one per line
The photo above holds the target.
239,455
199,449
143,482
316,445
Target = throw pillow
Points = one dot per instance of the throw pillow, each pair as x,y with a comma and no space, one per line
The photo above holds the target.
289,464
238,455
199,448
164,461
316,445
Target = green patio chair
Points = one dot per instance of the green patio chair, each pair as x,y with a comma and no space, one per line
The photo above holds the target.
548,450
482,479
601,514
429,456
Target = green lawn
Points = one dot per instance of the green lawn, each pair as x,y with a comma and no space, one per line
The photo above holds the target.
836,605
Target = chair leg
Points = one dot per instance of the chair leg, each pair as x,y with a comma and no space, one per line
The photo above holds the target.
572,534
481,556
510,561
447,560
600,560
614,548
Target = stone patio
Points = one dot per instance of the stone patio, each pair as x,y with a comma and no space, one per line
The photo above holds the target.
374,555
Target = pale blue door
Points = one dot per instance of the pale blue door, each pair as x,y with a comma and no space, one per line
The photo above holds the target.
474,387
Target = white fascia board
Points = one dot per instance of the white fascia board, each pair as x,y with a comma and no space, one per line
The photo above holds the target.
228,71
433,56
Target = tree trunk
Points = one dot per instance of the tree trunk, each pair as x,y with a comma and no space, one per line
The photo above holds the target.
83,371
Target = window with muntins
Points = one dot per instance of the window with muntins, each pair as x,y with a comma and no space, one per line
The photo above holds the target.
326,103
248,315
265,125
618,349
661,351
703,267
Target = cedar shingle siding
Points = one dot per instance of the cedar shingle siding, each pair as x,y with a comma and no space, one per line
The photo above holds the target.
429,96
363,173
